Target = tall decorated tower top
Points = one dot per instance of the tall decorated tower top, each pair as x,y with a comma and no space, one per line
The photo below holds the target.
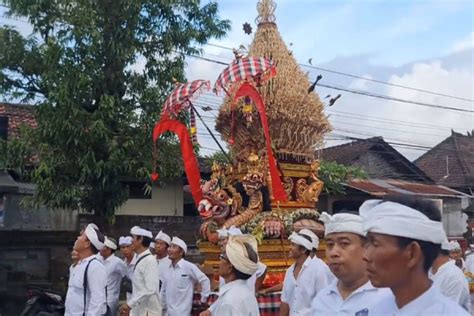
296,119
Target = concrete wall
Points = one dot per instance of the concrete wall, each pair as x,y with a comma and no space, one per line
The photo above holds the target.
18,217
166,200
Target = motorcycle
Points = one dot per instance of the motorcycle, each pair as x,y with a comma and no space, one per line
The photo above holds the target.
42,302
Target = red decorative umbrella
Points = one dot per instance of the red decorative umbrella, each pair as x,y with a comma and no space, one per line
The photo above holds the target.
180,100
182,95
255,69
240,78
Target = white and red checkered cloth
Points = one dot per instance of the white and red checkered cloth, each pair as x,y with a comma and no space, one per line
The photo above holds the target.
257,69
182,95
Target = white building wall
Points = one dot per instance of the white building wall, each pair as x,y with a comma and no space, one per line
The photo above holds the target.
166,200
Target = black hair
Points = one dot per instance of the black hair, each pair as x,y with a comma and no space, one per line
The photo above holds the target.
146,241
427,207
306,251
101,238
253,256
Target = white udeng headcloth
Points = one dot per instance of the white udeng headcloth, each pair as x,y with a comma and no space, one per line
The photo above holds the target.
300,240
313,236
91,234
138,231
234,231
164,237
455,246
125,241
395,219
238,255
342,223
110,244
222,233
180,243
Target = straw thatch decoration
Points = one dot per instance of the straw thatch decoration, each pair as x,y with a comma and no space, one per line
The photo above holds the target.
296,119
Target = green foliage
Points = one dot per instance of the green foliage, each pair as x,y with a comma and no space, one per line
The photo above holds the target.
334,175
98,72
219,157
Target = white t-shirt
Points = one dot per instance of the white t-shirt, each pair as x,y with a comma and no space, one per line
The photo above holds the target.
324,268
299,292
235,300
430,303
453,284
95,293
178,287
145,299
329,301
250,281
469,264
116,270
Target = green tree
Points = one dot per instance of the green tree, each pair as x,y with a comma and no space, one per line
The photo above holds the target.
98,71
334,175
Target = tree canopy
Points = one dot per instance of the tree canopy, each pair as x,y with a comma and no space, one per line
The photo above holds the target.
98,72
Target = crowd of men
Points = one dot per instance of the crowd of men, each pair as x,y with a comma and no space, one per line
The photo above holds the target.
392,258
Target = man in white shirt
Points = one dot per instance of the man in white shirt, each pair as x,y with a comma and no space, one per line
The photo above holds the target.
450,279
321,265
129,258
237,264
162,242
145,282
87,279
470,260
404,236
303,280
182,277
256,280
116,270
456,255
351,293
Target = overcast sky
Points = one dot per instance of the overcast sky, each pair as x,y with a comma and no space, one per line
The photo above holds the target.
427,45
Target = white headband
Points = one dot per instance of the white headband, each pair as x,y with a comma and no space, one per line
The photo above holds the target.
238,255
180,243
163,237
342,223
222,233
91,233
311,235
125,241
300,240
138,231
455,246
152,245
110,244
395,219
234,231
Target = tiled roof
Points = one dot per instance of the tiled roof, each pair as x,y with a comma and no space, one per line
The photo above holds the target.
395,164
451,162
346,153
18,114
381,187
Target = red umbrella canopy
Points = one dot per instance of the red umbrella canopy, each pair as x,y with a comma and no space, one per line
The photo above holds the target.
183,94
254,69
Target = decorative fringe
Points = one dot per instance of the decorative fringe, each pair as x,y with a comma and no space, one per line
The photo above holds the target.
193,129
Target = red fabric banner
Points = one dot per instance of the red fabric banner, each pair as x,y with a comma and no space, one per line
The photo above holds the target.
190,162
246,89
